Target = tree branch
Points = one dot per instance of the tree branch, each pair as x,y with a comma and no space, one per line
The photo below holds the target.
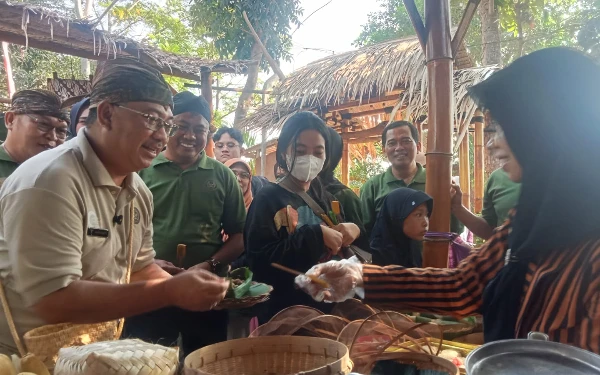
271,61
104,13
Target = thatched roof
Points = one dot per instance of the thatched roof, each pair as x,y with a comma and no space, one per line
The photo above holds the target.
39,28
394,69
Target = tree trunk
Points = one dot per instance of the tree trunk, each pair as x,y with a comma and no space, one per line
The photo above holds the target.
490,33
246,97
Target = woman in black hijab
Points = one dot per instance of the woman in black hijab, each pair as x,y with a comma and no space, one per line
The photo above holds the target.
401,224
540,271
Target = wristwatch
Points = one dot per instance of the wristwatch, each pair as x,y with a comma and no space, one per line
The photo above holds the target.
213,264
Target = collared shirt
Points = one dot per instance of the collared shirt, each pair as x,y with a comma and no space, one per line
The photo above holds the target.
561,293
193,207
374,191
501,195
7,165
46,208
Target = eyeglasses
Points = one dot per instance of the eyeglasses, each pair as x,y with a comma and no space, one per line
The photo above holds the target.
229,145
404,142
45,128
242,175
184,129
152,122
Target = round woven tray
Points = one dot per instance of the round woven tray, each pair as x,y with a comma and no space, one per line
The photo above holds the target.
281,355
243,303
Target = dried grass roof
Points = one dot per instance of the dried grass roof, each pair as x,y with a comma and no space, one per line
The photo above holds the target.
364,75
40,28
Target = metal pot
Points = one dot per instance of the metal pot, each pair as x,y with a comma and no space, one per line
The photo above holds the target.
536,355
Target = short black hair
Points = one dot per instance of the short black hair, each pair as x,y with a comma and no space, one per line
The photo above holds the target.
292,128
92,116
414,133
233,133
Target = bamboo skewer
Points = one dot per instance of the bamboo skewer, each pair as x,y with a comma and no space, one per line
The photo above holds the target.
312,278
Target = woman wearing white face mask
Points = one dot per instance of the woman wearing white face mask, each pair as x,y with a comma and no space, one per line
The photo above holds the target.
282,228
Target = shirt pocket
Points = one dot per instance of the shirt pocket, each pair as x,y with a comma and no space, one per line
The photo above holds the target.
96,255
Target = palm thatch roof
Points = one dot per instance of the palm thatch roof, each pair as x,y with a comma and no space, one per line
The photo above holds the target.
44,29
392,71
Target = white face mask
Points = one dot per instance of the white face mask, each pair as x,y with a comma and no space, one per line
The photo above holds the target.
306,167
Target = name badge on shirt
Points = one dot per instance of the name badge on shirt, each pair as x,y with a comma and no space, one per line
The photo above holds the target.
97,232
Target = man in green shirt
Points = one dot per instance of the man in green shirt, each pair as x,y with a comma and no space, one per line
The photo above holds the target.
35,123
400,144
196,201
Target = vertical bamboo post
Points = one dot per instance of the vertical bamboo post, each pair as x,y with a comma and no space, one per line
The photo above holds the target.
10,83
345,159
479,162
438,53
465,171
206,90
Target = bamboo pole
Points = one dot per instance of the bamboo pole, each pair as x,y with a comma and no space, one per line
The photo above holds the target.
479,164
438,53
465,171
345,158
207,93
10,83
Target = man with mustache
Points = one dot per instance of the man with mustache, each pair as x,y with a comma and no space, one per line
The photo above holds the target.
35,123
76,224
400,142
196,199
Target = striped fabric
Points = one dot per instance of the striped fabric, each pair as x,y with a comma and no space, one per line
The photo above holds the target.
561,295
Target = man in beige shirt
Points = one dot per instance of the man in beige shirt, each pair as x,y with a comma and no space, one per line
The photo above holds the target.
65,216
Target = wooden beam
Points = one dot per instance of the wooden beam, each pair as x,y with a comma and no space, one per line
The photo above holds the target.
355,103
438,56
417,21
207,94
463,26
345,158
5,101
361,134
465,171
479,172
230,89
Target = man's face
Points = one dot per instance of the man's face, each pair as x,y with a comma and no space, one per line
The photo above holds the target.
135,142
400,148
227,148
32,133
190,138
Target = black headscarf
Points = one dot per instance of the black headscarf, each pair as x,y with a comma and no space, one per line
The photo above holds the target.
389,244
328,180
76,110
547,105
39,102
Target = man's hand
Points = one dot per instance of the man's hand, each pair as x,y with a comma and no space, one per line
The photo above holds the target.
349,231
197,290
204,266
455,196
168,267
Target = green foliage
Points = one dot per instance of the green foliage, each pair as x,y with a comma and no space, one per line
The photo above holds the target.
225,25
526,25
362,169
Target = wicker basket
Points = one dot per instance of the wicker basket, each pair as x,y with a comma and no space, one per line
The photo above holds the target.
124,357
281,355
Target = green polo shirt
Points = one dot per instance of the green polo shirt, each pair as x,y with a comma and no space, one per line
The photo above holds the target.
374,191
192,207
501,195
7,165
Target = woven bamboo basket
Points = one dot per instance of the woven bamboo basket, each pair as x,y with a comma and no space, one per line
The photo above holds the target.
123,357
270,355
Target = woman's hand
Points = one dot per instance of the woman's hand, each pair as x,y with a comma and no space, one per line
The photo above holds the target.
344,278
349,231
332,239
